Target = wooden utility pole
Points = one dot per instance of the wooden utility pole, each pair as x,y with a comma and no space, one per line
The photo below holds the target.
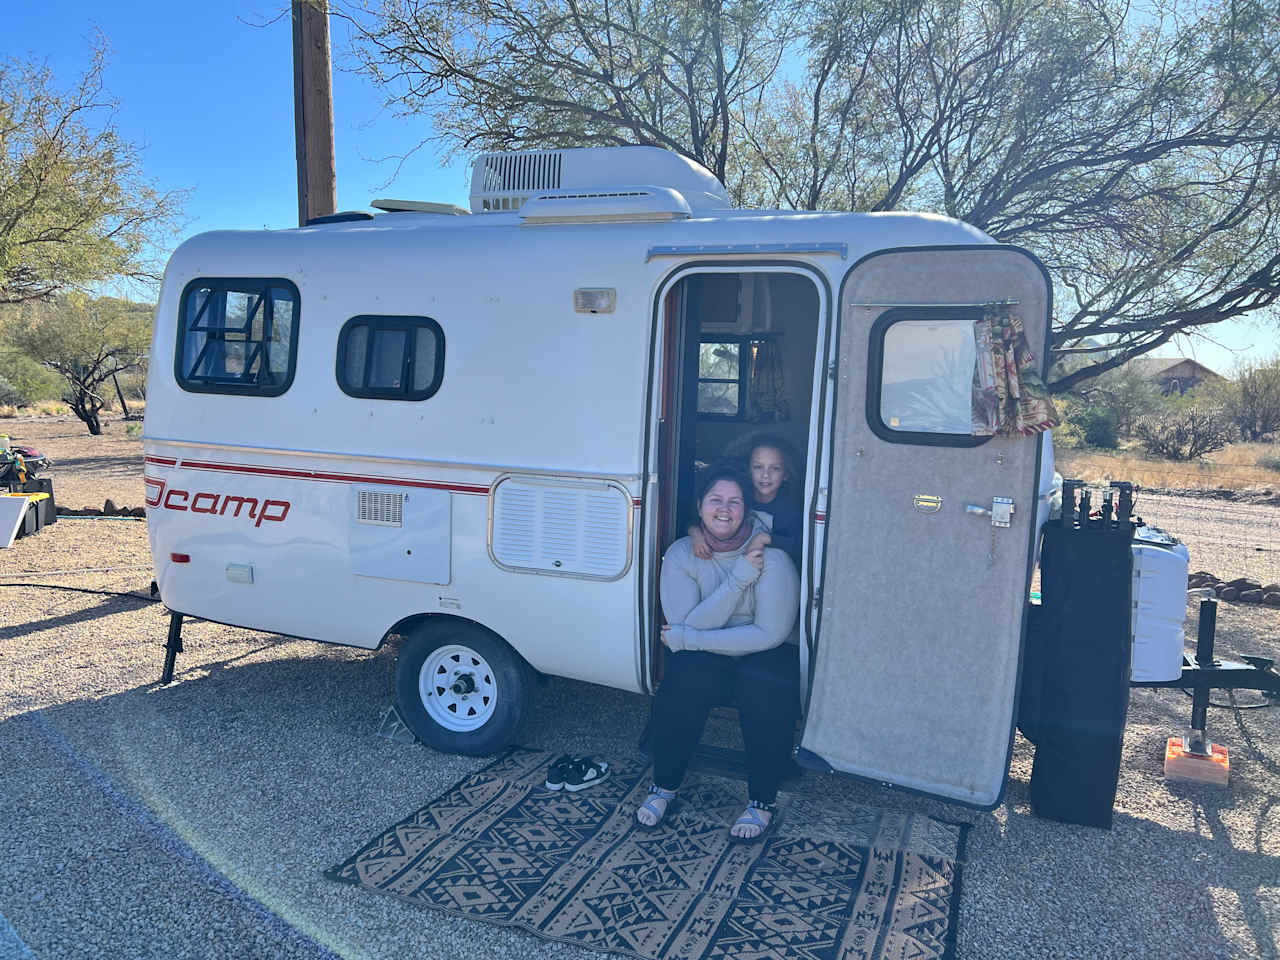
313,110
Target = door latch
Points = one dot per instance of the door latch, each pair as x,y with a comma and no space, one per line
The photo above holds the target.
1001,512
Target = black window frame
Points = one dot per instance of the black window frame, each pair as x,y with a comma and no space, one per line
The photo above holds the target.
744,343
379,322
875,376
247,285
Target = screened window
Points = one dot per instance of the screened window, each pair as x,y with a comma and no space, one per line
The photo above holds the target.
933,380
390,358
237,335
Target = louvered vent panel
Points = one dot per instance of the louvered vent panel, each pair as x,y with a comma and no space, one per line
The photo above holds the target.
509,173
384,509
570,528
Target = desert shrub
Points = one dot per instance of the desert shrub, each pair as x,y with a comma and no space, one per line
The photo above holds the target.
32,381
9,394
1184,431
1252,398
1270,461
1086,424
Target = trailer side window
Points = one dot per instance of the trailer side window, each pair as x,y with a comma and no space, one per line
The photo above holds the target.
930,378
237,335
390,358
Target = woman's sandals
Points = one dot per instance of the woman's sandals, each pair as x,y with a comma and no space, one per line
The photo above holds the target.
751,818
657,806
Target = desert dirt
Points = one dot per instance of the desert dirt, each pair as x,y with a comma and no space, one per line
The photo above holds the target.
195,819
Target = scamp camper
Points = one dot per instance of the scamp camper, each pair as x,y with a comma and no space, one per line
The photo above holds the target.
475,431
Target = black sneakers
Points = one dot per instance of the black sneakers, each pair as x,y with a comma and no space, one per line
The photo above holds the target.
572,772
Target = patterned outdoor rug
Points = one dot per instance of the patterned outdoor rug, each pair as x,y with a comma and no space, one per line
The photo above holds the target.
501,848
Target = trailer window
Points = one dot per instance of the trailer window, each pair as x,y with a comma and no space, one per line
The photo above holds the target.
930,378
390,358
237,335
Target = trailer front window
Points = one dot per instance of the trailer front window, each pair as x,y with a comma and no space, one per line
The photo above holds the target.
237,335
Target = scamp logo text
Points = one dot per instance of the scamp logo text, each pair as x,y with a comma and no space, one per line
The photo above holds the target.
216,504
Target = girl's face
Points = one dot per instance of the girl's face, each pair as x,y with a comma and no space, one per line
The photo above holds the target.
722,509
768,471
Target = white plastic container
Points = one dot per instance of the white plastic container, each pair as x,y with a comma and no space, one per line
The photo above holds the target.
1160,566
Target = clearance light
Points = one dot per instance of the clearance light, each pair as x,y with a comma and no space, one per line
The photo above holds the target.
180,557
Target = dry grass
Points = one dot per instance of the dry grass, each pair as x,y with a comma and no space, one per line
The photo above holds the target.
45,408
1238,467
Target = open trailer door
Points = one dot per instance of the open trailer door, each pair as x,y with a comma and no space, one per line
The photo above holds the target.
926,571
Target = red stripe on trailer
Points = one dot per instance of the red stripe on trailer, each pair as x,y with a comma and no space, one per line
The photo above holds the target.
329,477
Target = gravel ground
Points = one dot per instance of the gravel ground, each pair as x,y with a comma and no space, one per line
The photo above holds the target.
195,820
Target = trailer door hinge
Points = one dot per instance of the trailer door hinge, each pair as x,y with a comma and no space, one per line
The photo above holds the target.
831,370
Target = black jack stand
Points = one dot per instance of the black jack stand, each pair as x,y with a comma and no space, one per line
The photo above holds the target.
172,647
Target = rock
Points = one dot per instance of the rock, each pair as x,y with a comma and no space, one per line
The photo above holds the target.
1271,588
109,508
1228,593
1244,583
1272,599
138,512
1251,596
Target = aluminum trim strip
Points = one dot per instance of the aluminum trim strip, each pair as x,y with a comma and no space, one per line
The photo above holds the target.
734,249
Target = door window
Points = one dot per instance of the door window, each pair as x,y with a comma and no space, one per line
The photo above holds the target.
931,378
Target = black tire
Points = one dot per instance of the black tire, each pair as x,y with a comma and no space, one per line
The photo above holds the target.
507,681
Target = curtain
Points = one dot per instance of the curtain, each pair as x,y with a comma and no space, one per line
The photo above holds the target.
1010,397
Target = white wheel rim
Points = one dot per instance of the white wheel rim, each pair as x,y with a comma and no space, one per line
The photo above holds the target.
450,698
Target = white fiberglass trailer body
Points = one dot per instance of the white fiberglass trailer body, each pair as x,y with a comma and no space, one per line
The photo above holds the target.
475,431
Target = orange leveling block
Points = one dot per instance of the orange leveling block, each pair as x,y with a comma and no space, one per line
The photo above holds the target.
1208,765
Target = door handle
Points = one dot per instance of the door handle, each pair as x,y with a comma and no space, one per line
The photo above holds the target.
1001,512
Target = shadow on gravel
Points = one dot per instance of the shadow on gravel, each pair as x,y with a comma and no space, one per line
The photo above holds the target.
247,777
106,607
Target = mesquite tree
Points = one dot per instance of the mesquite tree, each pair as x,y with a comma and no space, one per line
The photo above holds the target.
1135,150
86,343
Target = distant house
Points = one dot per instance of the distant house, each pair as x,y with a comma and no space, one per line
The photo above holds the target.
1174,374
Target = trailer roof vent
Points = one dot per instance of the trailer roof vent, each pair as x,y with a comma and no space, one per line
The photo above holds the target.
419,206
504,182
635,203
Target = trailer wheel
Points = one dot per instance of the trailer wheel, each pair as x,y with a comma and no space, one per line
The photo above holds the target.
461,688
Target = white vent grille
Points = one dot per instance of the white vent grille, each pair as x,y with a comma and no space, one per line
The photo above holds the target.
573,528
384,509
522,172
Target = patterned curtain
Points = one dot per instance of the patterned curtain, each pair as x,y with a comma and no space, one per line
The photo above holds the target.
1009,396
768,392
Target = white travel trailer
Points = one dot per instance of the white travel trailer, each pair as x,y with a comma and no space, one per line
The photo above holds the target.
473,431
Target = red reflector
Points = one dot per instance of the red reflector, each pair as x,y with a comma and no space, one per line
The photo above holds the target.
180,557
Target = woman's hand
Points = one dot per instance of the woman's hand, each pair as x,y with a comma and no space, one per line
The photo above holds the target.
755,555
701,549
759,541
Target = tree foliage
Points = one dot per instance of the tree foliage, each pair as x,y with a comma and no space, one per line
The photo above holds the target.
74,205
1251,398
1136,151
86,342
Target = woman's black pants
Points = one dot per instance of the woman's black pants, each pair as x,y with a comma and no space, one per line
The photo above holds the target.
765,687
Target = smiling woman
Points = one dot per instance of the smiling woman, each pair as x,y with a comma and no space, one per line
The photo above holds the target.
729,636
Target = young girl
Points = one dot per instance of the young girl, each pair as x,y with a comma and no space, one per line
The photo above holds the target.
774,498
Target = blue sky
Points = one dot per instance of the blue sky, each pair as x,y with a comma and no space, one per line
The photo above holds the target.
207,90
209,95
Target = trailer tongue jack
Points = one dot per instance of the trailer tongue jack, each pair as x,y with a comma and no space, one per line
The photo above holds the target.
1193,756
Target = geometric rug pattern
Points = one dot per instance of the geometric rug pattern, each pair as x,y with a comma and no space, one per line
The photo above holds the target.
500,848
